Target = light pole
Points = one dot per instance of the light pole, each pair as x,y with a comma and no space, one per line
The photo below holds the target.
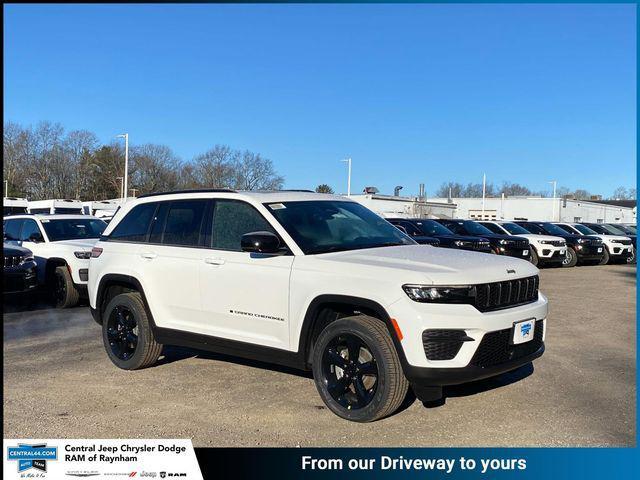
121,186
126,163
6,188
348,160
553,211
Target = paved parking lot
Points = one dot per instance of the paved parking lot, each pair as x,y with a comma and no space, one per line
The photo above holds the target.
58,382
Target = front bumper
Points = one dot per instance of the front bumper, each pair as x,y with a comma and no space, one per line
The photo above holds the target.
20,279
523,253
589,252
623,251
437,377
553,256
415,318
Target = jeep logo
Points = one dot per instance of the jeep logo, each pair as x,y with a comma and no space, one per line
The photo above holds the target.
510,271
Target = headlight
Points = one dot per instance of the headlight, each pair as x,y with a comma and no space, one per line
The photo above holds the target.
83,255
582,240
503,242
460,243
428,294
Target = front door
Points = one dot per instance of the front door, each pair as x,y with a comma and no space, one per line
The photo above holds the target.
244,296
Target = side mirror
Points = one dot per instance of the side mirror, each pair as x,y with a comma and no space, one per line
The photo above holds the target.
36,237
260,242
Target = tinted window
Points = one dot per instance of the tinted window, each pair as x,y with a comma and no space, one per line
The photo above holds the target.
431,227
12,229
515,229
231,220
135,226
553,229
410,229
493,227
29,228
533,228
183,223
13,210
583,229
70,211
333,226
73,228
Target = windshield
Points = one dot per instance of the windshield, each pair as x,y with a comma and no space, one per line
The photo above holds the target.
431,227
612,230
628,229
73,229
515,229
468,227
552,229
333,226
583,229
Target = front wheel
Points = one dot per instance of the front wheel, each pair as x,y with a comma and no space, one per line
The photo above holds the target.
605,258
571,258
127,334
357,370
534,259
632,257
65,294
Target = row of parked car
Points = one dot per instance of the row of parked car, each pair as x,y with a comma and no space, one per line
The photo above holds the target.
53,251
542,243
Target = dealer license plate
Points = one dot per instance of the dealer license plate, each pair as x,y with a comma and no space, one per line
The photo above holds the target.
523,331
525,253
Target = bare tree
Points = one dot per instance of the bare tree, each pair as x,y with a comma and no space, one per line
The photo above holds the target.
253,172
215,168
324,188
154,168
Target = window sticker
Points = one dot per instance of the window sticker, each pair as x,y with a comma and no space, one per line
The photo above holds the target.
276,206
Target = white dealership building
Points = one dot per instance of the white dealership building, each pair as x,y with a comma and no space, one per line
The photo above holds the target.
543,209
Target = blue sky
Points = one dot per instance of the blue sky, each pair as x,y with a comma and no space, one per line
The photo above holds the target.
413,93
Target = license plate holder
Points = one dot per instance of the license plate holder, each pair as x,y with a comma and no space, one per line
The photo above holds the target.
523,331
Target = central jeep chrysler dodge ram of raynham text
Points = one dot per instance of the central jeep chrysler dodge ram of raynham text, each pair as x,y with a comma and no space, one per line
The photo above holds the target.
312,281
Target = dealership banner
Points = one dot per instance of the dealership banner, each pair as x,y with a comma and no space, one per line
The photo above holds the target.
58,459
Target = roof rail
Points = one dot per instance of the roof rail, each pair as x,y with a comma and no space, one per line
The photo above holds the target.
294,190
195,190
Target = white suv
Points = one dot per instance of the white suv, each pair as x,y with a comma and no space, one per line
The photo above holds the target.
315,282
61,246
616,247
545,249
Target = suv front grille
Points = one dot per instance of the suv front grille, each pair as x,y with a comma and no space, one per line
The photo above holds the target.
443,344
480,245
496,348
594,242
13,261
557,243
521,243
498,295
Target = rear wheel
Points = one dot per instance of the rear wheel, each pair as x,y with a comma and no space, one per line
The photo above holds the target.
127,334
64,292
571,258
357,370
605,258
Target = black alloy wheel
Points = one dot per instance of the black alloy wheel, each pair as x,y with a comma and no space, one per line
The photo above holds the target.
122,332
350,371
59,289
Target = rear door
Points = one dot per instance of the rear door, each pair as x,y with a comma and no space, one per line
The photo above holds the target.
170,261
244,296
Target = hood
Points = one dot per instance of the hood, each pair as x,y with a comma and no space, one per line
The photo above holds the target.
86,243
464,238
610,237
437,266
15,250
499,236
537,238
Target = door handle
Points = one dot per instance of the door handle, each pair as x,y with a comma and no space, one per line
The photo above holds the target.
149,255
214,261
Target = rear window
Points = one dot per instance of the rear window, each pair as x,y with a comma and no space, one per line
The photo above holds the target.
184,223
135,225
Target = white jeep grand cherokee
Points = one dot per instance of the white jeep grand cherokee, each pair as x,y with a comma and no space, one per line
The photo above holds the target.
61,246
315,282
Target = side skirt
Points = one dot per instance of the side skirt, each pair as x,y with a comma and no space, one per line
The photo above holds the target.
179,338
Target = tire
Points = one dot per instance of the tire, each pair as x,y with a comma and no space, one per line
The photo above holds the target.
64,292
534,259
606,257
632,258
571,259
127,334
349,392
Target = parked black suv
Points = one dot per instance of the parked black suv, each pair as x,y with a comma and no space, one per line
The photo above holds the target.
580,248
406,225
19,273
509,245
425,228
